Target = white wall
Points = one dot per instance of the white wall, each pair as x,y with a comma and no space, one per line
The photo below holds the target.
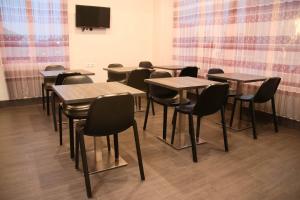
128,40
163,32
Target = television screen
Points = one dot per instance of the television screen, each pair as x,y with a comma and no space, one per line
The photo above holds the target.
92,16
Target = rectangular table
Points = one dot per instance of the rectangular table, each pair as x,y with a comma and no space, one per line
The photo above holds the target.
54,74
240,79
181,84
173,68
83,93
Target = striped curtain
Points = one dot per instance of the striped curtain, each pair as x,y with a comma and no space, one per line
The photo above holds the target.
247,36
33,34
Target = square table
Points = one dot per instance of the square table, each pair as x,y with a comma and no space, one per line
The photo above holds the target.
54,74
240,78
123,70
173,68
181,84
83,93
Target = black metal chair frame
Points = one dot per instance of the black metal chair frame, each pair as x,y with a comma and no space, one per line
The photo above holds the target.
101,121
265,93
113,76
210,101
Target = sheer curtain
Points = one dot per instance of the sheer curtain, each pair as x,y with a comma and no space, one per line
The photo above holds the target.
254,37
33,34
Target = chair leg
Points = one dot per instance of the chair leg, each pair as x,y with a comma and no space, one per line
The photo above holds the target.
174,125
152,106
232,114
48,102
85,166
77,150
274,115
60,123
224,129
241,109
147,112
253,119
116,146
108,142
138,150
165,122
71,127
192,136
53,111
198,128
43,95
140,103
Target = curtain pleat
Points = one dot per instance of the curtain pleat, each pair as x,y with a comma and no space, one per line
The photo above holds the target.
253,37
33,34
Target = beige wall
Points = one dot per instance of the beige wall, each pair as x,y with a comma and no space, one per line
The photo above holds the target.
128,40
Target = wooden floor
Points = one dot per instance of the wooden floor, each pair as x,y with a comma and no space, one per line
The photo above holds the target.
34,166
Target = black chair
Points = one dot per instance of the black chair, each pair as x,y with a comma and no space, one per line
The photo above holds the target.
163,96
114,76
136,80
211,100
108,115
77,111
231,92
265,93
191,71
59,80
46,85
146,64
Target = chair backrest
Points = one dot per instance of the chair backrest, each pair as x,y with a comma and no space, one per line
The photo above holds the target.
146,64
267,90
211,99
137,78
77,79
54,68
158,91
113,76
191,71
60,77
110,115
216,71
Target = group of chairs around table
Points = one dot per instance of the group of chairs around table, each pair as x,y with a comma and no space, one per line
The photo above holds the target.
100,120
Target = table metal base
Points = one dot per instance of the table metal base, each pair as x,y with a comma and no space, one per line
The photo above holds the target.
103,160
180,144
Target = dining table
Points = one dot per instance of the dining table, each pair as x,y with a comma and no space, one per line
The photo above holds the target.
181,85
240,79
173,68
85,93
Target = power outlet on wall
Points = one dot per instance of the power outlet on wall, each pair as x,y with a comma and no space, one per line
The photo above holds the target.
91,65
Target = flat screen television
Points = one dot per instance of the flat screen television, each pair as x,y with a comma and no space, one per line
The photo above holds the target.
92,17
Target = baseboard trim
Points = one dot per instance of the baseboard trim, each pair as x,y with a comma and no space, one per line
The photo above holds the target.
20,102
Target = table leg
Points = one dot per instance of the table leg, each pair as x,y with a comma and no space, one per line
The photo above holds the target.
182,139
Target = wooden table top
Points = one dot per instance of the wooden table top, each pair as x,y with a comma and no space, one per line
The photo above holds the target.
180,83
170,67
238,77
123,70
53,74
82,93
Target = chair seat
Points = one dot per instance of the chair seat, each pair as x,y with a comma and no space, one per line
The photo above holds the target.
248,97
170,101
187,109
79,111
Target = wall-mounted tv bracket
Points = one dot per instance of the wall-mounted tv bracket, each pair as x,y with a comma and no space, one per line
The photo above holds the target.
86,28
